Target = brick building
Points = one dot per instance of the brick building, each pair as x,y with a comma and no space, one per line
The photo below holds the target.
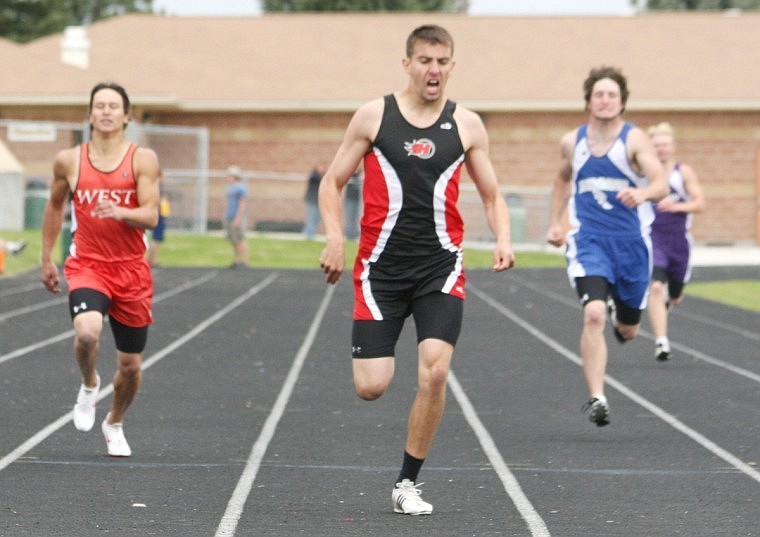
276,92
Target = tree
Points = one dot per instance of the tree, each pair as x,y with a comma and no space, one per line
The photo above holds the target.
25,20
697,5
364,5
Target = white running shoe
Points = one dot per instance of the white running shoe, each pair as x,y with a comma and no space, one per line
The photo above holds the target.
84,410
14,248
407,500
115,440
662,352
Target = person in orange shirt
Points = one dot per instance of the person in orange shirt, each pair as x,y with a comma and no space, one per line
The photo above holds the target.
113,187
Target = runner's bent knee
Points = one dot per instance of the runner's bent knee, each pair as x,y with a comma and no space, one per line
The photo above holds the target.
595,314
372,376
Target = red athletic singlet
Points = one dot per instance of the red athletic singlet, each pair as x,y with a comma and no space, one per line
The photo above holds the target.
106,255
104,239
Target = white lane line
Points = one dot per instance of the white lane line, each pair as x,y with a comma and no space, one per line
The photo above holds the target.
677,346
683,312
511,485
21,289
651,407
236,503
714,361
70,333
45,432
32,308
21,351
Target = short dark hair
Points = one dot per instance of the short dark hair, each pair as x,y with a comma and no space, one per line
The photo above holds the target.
113,86
597,74
432,33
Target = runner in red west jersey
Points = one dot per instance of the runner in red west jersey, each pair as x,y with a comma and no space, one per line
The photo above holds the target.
113,188
98,238
415,144
108,255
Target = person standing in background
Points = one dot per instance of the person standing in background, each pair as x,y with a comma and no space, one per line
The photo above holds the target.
311,199
352,205
671,240
236,215
159,232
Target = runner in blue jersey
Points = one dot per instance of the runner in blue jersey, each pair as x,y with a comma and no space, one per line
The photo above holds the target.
671,240
608,176
415,145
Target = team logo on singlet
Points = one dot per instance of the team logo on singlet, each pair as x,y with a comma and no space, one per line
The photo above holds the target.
422,148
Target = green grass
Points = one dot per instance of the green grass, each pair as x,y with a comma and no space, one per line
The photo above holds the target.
181,250
743,294
212,250
293,253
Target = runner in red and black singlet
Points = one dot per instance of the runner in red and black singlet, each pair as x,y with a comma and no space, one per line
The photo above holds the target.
411,227
414,144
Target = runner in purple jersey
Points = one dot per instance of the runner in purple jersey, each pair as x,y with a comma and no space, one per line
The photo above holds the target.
671,241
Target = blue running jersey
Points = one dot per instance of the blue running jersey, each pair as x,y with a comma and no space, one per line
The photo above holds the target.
596,180
607,238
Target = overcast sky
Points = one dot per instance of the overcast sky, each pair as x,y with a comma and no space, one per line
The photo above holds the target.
477,7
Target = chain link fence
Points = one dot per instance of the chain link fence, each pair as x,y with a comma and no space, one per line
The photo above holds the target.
197,194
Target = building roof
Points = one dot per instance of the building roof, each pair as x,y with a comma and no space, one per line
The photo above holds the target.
674,61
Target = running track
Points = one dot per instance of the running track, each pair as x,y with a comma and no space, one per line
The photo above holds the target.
246,423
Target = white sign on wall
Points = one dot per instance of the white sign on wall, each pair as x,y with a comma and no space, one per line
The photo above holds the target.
30,131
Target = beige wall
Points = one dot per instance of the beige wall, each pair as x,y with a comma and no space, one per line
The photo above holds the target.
722,147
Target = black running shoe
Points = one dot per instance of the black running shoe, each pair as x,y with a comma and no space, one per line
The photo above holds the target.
598,411
662,352
612,315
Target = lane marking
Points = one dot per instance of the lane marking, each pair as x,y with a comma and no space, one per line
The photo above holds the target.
21,351
677,346
515,468
236,503
18,312
716,323
48,430
622,388
21,289
475,469
529,514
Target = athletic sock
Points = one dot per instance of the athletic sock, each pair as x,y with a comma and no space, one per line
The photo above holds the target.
662,341
410,468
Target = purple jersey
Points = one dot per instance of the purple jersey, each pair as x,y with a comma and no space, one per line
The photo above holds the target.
671,241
